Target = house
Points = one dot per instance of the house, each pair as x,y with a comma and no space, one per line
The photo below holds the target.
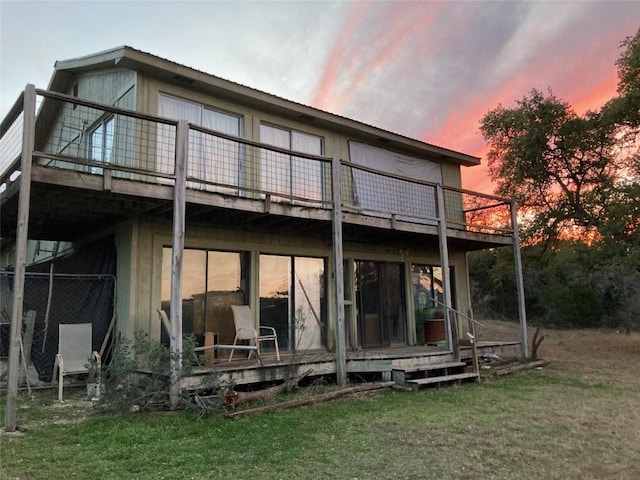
346,238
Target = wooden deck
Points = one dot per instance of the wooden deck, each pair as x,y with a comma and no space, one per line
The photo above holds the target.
372,364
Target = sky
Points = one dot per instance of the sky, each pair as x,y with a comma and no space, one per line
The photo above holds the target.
424,69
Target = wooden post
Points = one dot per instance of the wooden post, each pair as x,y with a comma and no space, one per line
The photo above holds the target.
522,309
452,337
177,252
22,235
338,272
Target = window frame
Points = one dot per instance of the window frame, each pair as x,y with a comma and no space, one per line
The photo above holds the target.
105,151
291,177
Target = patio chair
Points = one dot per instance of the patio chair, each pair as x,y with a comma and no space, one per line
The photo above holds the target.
245,330
74,352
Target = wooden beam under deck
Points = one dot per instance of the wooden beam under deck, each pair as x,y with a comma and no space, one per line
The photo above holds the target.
371,361
92,202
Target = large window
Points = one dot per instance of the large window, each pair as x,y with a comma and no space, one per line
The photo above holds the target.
211,159
292,300
101,143
288,174
212,282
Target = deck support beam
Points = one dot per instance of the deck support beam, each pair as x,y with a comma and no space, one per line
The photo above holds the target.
177,253
338,272
452,336
522,310
22,236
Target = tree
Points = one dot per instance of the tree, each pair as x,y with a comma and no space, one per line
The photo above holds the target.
567,171
628,102
559,166
577,181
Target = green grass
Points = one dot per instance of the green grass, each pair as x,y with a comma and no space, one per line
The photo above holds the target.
535,425
541,424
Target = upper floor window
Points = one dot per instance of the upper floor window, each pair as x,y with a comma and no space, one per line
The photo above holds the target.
289,174
212,159
101,140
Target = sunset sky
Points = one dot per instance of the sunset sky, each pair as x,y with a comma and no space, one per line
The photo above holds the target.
428,70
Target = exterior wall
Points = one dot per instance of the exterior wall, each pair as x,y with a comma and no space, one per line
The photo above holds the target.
37,251
115,88
111,88
140,247
335,143
139,244
451,175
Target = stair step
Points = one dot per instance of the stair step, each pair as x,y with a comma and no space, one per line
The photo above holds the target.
442,379
431,366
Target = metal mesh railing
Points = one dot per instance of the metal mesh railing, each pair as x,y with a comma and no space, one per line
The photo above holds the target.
76,134
10,146
380,194
84,136
228,164
477,212
55,299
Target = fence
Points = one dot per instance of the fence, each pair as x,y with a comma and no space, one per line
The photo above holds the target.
56,299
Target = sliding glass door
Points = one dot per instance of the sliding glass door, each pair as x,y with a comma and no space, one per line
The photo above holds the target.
292,300
212,281
380,301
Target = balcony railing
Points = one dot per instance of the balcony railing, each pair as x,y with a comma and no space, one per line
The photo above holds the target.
84,136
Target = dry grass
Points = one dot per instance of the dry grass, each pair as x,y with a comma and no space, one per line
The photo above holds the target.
594,356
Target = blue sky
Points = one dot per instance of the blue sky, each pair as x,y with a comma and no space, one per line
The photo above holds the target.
428,70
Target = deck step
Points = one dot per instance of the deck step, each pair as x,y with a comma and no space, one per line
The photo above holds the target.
442,379
431,366
416,376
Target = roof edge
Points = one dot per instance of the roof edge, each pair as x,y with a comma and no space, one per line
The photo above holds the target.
127,54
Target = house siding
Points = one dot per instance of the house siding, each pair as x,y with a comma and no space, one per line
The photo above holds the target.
140,247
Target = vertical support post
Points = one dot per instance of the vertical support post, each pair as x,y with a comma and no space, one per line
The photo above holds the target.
522,309
22,235
338,272
177,252
452,336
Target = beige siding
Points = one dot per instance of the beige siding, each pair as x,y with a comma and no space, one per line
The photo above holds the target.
140,260
140,244
451,176
115,88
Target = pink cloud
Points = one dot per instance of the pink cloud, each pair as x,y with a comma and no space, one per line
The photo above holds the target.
369,41
389,45
340,55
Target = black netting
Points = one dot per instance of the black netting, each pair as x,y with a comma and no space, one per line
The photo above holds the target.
79,288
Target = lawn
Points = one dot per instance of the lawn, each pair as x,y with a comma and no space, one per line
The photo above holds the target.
579,418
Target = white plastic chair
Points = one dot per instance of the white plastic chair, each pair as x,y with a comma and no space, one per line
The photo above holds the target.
74,352
245,330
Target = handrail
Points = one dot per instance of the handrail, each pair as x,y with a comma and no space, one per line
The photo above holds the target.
106,108
458,313
12,114
461,207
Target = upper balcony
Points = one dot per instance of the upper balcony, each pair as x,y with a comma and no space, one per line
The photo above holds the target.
94,165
